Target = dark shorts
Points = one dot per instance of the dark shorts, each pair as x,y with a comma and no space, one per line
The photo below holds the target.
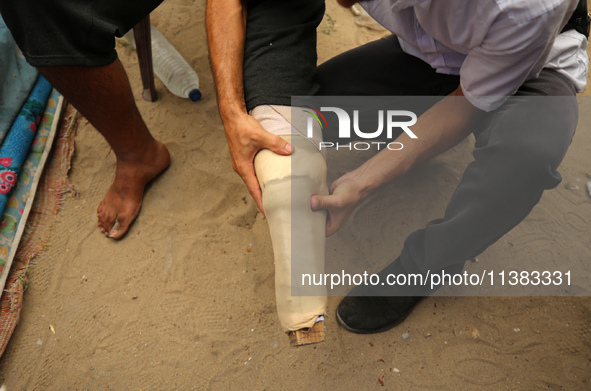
280,50
72,32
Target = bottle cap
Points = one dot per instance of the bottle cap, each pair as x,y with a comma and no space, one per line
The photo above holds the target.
195,95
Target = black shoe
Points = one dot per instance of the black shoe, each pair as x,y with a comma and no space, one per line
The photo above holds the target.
374,314
373,309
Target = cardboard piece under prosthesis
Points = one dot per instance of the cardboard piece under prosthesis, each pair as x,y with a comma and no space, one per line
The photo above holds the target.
287,183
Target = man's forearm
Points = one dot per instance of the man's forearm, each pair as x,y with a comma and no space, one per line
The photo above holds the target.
225,24
438,129
226,31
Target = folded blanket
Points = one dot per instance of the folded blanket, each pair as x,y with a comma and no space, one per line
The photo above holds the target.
16,144
17,78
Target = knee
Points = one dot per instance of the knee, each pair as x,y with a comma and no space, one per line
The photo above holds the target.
532,164
528,158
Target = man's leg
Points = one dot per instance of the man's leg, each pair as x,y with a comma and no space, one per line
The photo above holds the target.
382,68
516,158
103,95
72,43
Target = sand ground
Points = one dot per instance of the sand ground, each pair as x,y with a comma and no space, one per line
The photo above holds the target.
186,301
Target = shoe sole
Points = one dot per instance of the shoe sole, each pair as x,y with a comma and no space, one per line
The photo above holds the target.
381,330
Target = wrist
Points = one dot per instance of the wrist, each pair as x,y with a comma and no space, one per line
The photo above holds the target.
232,113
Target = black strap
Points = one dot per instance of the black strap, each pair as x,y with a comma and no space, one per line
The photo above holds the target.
580,20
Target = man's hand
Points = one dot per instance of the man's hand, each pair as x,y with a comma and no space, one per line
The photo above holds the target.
246,137
438,129
345,195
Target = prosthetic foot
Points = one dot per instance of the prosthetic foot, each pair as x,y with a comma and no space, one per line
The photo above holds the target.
297,232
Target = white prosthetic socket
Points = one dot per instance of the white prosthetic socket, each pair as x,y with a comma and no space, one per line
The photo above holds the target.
297,232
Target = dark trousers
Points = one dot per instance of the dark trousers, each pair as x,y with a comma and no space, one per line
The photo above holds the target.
516,152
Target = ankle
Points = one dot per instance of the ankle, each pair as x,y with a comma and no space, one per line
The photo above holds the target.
145,153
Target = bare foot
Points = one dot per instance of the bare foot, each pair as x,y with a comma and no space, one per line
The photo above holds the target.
122,203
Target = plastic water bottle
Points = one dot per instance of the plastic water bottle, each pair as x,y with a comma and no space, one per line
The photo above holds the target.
170,67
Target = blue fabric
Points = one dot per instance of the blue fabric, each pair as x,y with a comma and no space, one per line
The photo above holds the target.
15,147
22,195
17,78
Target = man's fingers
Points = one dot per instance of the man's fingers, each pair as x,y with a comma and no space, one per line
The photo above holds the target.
330,229
257,195
334,217
277,144
333,223
318,202
252,184
332,201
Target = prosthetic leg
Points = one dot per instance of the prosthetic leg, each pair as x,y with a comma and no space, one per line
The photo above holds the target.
297,232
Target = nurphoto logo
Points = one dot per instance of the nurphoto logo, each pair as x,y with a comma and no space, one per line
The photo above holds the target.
391,118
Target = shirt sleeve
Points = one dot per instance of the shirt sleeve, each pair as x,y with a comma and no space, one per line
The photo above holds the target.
514,50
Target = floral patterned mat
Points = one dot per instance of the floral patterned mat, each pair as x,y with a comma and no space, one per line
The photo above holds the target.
24,151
